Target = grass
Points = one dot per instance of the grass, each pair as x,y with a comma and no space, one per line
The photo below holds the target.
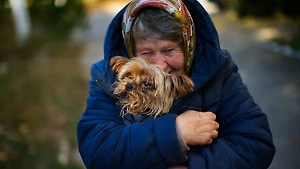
42,97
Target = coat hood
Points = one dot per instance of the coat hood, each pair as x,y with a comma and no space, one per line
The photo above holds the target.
208,57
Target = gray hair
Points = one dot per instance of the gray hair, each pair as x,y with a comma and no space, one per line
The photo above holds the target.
156,24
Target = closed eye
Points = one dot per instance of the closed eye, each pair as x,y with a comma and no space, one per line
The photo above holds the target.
146,54
170,52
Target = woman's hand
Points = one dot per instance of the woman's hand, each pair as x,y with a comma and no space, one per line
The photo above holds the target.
197,128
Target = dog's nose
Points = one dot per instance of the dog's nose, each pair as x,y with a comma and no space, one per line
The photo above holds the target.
128,87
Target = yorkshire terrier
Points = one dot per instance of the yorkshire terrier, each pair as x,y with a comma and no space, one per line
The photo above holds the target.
144,88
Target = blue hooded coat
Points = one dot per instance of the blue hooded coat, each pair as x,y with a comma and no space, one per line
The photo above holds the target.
108,141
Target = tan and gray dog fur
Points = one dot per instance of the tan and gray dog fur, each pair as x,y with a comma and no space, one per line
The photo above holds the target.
145,88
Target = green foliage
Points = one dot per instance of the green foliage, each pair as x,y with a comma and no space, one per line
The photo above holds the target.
287,9
260,8
54,19
36,153
42,90
49,22
252,7
42,98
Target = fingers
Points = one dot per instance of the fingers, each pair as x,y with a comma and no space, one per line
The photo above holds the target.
208,115
198,128
215,125
210,118
209,138
214,134
212,127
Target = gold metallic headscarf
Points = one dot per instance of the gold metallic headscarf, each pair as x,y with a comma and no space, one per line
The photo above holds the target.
178,10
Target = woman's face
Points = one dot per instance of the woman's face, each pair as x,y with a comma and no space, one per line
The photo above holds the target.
166,54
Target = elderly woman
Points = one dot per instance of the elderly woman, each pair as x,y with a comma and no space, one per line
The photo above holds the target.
217,125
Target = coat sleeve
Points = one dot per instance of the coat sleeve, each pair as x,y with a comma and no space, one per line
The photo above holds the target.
244,139
106,142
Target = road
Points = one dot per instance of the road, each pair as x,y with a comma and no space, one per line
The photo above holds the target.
274,81
272,78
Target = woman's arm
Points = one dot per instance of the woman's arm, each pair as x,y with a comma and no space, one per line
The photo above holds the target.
244,139
106,142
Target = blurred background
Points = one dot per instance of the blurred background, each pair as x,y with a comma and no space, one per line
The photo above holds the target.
48,46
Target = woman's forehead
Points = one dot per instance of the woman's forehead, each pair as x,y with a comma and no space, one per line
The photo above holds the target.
157,44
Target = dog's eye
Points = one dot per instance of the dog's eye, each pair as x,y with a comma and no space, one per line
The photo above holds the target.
147,85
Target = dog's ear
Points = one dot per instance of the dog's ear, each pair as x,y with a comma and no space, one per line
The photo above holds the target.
118,62
182,84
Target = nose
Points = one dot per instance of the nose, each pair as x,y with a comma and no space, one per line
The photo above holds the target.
128,87
160,60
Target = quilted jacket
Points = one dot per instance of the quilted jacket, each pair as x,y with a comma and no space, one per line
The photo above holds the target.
108,141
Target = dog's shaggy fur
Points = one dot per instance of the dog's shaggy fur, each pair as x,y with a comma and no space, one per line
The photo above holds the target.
145,88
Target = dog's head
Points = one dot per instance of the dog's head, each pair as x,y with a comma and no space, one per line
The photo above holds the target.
146,88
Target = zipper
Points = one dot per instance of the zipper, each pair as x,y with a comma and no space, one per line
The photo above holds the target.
100,84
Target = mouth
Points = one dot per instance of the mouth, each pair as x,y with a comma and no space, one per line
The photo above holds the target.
120,94
170,71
